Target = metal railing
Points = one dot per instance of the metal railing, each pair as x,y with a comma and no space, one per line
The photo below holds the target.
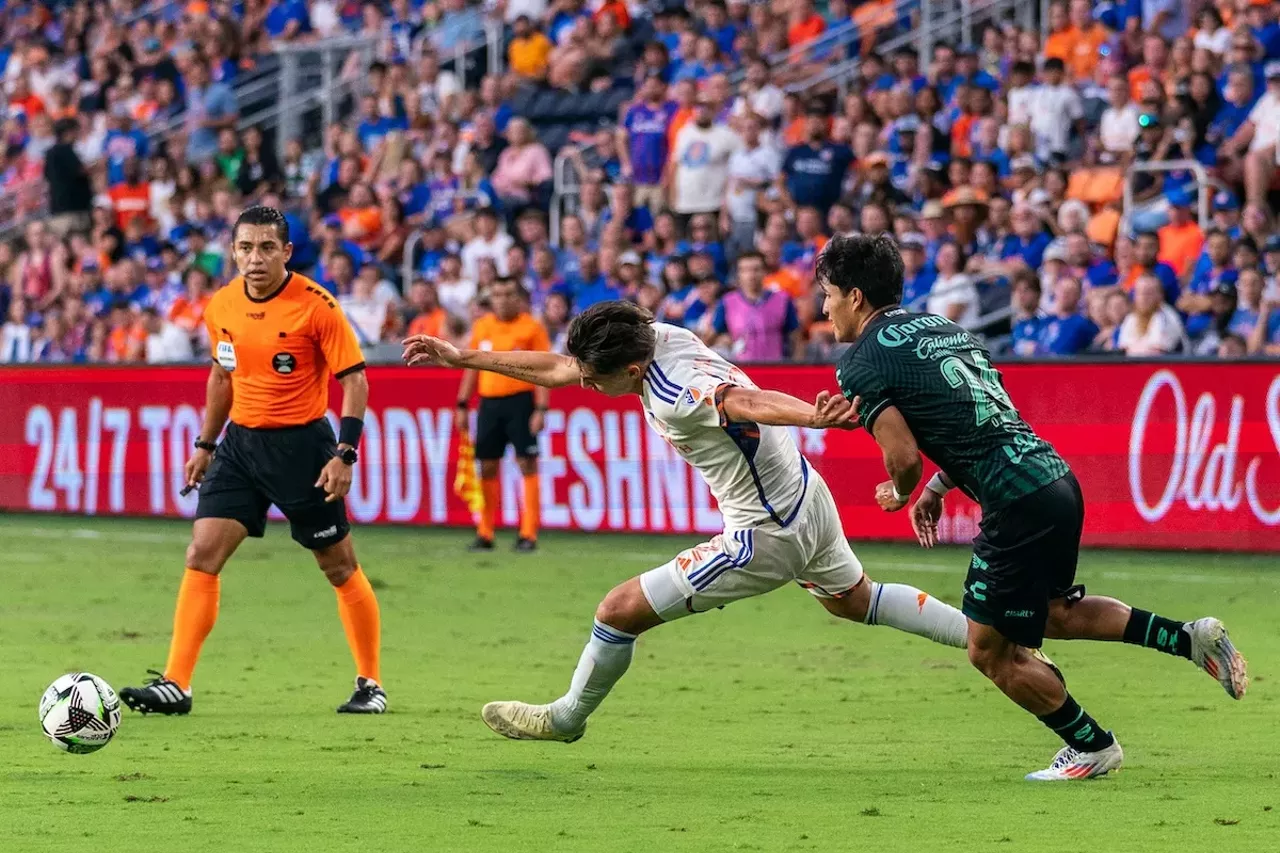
1203,182
837,37
955,26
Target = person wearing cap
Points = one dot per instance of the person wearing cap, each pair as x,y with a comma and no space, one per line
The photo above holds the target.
1226,213
1264,143
1271,260
1208,328
1181,239
918,275
813,172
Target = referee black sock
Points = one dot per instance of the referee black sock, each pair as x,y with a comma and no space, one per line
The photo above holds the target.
1077,728
1156,632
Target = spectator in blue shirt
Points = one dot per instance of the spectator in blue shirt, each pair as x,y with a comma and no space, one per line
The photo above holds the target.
1066,331
1027,243
1211,270
918,275
210,108
1027,318
287,19
813,172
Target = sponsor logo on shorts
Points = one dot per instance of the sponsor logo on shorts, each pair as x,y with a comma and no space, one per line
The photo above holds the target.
1019,614
284,363
328,531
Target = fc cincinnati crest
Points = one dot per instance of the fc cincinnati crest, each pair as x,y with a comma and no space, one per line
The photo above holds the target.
284,362
692,395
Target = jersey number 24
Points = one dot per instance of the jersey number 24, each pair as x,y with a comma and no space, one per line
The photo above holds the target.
989,396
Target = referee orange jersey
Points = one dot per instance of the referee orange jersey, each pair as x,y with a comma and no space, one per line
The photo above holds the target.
493,335
280,350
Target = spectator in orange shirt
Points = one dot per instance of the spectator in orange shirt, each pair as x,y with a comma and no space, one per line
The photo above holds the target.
1181,240
1076,42
132,199
529,55
188,309
23,100
361,217
430,318
804,23
1155,55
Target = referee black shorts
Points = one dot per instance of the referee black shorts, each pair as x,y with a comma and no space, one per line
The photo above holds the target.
255,468
505,420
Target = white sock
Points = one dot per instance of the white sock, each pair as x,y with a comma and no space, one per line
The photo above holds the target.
908,609
603,662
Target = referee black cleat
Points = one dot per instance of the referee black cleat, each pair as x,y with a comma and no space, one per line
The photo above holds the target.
157,696
369,698
481,544
526,546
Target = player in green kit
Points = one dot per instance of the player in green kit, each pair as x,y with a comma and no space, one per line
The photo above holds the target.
920,383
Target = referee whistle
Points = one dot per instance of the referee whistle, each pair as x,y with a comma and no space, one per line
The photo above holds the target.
187,489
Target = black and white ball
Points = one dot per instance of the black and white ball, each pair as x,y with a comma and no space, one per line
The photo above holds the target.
80,713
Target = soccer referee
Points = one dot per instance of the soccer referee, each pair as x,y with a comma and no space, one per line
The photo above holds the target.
511,412
276,337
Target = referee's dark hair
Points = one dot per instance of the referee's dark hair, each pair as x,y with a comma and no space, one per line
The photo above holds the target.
262,215
871,264
608,336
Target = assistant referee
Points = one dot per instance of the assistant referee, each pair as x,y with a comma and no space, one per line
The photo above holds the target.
511,412
276,337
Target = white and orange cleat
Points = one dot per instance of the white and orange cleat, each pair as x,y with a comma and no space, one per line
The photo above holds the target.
1070,764
1213,651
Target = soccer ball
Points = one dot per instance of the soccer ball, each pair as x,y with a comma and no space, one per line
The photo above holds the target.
80,713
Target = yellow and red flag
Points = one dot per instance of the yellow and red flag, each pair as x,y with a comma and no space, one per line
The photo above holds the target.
466,483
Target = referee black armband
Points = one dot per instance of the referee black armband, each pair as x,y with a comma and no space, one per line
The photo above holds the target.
349,431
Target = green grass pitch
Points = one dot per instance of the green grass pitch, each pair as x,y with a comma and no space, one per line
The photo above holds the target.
766,726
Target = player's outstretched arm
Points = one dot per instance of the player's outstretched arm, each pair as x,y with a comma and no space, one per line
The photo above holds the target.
774,408
901,458
540,368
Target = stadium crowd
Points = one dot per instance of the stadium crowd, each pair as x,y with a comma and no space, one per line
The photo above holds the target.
998,167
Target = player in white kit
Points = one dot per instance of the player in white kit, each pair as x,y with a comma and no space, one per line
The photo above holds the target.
781,522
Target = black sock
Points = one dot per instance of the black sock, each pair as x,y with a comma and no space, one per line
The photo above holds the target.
1077,728
1156,632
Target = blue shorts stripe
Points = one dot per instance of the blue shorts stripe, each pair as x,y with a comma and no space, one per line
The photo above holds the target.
724,563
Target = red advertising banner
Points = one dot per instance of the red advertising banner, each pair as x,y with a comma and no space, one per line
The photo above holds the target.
1170,455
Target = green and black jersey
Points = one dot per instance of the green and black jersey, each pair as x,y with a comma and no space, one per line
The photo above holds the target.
941,379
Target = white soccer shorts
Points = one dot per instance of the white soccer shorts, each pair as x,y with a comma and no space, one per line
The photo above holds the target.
737,564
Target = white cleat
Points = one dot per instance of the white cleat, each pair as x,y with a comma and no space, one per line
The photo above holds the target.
1212,651
521,721
1071,764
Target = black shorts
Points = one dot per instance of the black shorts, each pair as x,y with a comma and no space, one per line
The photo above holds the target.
505,420
255,468
1025,557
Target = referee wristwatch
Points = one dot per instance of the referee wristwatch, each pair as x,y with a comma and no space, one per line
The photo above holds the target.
201,444
348,455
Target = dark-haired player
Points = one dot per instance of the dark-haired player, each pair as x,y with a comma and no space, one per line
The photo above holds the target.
781,523
276,338
921,383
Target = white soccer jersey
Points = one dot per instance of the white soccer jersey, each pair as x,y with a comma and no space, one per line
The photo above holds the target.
756,473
